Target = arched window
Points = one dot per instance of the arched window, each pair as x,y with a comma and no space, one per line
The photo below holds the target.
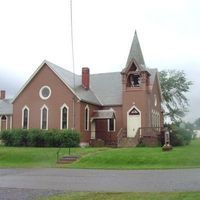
64,117
25,117
87,118
44,118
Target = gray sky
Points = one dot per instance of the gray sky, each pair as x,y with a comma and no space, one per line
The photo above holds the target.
34,30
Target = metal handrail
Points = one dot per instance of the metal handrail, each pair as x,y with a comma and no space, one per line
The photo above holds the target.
119,135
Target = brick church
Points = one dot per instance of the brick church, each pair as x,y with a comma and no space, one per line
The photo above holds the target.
116,108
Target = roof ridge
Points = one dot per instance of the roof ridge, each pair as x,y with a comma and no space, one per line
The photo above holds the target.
105,73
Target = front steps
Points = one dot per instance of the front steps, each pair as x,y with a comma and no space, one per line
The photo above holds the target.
127,142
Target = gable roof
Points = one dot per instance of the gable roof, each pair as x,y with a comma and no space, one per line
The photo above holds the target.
105,89
136,53
6,107
101,91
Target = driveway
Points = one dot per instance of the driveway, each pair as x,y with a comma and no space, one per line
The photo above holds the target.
50,181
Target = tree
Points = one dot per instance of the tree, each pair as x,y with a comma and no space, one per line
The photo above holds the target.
174,85
197,123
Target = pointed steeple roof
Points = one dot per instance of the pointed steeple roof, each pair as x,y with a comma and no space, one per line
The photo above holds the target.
136,53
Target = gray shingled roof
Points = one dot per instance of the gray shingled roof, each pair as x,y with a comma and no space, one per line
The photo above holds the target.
6,107
105,89
136,52
103,114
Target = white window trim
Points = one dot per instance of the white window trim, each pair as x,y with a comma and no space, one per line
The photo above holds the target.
25,107
0,123
109,125
6,122
88,118
41,109
40,92
61,115
10,121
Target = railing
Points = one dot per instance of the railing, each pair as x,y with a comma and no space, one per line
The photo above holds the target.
119,135
149,131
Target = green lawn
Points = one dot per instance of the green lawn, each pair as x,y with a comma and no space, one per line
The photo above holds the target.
126,196
106,158
143,158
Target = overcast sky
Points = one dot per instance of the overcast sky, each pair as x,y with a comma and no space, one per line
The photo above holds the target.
34,30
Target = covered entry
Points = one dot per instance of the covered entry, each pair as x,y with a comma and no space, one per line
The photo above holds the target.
103,125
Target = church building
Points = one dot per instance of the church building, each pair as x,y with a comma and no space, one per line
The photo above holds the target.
116,108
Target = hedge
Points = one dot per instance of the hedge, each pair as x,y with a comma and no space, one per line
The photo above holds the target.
178,136
40,138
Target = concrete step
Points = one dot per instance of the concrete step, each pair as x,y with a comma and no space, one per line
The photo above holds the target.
127,142
67,159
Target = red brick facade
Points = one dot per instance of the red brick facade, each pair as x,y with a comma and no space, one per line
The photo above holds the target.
138,107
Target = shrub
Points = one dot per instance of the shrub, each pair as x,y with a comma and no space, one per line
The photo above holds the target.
178,136
36,138
40,138
70,138
7,137
19,137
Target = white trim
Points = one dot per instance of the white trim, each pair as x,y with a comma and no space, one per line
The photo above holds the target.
10,121
25,107
88,118
6,122
0,123
109,125
41,116
41,95
61,116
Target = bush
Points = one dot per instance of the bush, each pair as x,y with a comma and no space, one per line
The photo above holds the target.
7,137
36,138
19,137
70,138
40,138
178,136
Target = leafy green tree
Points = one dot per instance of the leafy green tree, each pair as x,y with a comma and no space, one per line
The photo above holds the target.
197,123
174,86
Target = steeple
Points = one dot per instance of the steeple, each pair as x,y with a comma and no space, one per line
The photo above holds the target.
136,53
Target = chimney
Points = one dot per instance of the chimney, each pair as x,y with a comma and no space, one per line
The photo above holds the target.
2,94
86,78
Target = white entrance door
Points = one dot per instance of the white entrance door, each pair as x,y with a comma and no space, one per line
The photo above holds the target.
133,121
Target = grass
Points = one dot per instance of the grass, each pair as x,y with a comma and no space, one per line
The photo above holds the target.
126,196
143,158
30,157
104,158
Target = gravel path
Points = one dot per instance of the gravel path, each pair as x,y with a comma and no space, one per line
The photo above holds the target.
29,183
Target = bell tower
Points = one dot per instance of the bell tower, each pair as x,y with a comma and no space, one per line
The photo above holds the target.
136,82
